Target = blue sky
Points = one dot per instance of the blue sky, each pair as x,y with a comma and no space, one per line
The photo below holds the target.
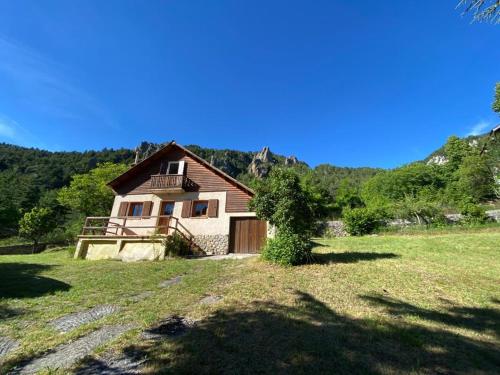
351,83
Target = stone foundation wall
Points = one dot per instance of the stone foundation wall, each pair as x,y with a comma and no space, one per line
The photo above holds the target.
213,244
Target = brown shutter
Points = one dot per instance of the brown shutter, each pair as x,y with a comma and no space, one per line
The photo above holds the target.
213,205
186,208
123,209
146,208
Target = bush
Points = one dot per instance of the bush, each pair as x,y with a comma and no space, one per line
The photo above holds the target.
287,249
439,221
176,246
360,221
473,214
293,209
59,236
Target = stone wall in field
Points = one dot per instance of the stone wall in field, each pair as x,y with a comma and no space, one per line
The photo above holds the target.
21,249
335,228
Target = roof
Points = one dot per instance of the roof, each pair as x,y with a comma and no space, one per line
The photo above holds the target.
168,147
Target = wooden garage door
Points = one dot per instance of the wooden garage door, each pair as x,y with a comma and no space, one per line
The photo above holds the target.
247,235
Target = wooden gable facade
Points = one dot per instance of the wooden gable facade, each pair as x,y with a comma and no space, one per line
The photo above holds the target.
202,177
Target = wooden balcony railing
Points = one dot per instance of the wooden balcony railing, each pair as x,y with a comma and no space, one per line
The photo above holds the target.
168,181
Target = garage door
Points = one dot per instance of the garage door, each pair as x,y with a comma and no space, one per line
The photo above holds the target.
247,235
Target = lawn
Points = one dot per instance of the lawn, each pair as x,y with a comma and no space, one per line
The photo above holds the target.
377,304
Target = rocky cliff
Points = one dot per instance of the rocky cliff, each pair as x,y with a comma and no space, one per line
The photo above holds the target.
234,163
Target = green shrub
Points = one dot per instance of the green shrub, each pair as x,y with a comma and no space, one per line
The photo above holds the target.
293,208
439,221
59,236
360,221
473,214
287,249
176,246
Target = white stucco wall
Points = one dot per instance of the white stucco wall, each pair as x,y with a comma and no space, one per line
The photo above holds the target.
196,226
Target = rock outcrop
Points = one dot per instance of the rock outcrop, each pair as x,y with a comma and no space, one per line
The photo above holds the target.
291,160
438,160
261,163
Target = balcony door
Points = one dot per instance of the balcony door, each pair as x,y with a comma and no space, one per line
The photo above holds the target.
166,211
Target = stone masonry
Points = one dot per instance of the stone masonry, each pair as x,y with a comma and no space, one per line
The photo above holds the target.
213,244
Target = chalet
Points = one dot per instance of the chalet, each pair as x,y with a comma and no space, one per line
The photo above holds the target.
173,191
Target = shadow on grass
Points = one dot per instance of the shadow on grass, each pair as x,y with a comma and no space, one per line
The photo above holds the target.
7,313
21,280
479,319
311,338
350,257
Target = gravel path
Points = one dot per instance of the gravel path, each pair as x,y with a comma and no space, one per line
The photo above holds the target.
66,355
7,345
72,321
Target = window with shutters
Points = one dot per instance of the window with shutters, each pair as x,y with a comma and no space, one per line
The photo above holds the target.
167,208
135,209
200,209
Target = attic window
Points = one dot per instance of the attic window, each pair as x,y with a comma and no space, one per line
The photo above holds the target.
173,167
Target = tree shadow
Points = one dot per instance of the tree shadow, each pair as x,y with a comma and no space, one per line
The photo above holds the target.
317,244
350,257
6,312
21,280
309,337
130,362
479,319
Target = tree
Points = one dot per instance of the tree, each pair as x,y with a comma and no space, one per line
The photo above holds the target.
390,186
88,193
348,195
420,208
9,213
483,10
455,150
283,202
35,224
496,101
474,179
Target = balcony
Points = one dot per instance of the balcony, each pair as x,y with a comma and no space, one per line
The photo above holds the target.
168,183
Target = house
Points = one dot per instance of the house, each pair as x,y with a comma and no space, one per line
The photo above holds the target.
173,191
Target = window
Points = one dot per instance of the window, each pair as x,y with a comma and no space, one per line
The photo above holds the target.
167,208
135,209
173,167
200,208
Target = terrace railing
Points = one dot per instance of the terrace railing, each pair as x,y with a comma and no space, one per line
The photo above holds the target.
112,226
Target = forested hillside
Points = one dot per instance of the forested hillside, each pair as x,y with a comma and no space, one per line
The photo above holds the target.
31,177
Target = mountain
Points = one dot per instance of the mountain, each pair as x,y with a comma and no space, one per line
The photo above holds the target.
26,173
488,142
30,177
238,164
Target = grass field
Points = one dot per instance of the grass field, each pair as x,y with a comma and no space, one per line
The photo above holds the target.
378,304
